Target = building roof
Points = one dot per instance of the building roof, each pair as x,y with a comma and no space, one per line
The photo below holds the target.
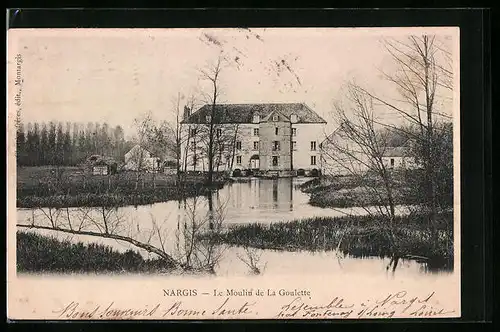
399,151
136,148
96,160
243,113
332,135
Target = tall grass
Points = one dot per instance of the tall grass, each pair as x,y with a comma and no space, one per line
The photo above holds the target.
38,253
358,236
348,191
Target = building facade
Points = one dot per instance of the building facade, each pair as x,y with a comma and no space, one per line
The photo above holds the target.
100,165
265,139
398,158
140,159
341,156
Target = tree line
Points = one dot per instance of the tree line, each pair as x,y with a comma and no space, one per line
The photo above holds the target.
68,143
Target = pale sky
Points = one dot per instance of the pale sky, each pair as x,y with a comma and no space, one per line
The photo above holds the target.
115,75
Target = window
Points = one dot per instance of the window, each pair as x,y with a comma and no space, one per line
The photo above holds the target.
238,145
276,131
392,162
256,131
294,131
219,132
313,160
275,160
294,145
275,118
238,160
208,118
193,132
276,146
313,145
256,118
256,145
293,118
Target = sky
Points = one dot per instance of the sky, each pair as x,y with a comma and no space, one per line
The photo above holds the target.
116,75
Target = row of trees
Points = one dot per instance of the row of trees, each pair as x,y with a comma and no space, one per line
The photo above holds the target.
57,143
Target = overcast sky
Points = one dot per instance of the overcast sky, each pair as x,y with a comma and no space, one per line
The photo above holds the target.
115,75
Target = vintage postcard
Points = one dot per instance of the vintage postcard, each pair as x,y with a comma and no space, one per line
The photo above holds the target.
257,173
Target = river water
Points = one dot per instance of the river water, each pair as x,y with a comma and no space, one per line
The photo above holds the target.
250,201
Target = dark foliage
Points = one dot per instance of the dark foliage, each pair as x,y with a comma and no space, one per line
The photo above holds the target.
68,143
37,253
347,191
442,160
357,236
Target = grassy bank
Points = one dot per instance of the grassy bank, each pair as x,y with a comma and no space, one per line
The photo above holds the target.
346,191
70,187
358,236
117,198
38,253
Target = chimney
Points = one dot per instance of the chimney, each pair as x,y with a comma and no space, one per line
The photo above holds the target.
187,112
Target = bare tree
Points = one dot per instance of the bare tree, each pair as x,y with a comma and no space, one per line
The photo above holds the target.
225,145
177,136
195,250
357,149
162,141
189,250
231,138
144,125
212,74
104,221
423,76
251,258
189,138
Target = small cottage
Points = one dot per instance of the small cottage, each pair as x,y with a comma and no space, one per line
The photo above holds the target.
101,165
140,159
397,157
170,166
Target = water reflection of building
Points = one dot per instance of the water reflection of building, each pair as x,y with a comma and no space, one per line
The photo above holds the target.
276,193
261,194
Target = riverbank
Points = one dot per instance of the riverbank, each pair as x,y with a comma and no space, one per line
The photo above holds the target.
346,192
69,187
37,253
356,236
117,198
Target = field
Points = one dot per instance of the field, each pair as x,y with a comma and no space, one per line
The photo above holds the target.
70,186
32,176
